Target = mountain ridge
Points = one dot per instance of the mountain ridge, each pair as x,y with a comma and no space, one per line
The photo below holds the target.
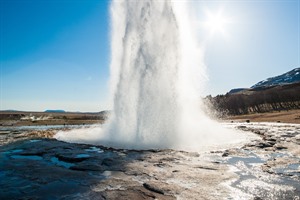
289,77
273,94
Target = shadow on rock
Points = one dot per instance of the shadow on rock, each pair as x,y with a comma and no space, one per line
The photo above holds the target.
51,169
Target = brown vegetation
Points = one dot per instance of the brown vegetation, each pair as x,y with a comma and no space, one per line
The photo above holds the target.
15,118
258,100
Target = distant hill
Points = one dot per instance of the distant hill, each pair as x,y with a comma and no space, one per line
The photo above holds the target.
273,94
232,91
54,111
10,110
292,76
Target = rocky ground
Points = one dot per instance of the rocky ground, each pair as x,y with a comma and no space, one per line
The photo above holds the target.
33,165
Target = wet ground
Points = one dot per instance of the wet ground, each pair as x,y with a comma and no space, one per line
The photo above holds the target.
33,165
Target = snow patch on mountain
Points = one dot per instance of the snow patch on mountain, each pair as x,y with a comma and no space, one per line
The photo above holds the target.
292,76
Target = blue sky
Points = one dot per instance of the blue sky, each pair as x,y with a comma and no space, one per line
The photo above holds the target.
55,53
262,41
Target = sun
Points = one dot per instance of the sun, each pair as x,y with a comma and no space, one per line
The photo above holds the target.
216,22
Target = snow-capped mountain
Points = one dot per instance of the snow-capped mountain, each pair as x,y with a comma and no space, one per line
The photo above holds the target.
292,76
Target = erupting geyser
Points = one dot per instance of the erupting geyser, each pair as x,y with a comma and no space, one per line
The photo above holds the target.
156,75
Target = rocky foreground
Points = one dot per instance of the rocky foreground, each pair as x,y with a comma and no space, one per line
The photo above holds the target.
33,165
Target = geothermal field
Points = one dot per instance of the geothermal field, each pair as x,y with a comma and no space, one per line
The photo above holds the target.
157,142
34,165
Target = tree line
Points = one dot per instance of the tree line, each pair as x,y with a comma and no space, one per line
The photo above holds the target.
258,100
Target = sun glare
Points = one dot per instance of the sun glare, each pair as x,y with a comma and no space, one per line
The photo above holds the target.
216,22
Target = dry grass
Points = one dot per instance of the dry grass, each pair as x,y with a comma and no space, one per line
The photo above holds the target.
291,116
42,118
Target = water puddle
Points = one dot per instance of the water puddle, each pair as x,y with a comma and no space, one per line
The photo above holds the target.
64,164
260,184
27,157
290,170
278,155
94,149
16,150
247,160
82,156
12,151
40,127
34,141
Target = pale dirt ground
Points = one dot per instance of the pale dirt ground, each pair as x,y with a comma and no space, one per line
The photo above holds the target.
291,116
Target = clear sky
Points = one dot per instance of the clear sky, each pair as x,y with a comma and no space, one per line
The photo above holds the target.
55,53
